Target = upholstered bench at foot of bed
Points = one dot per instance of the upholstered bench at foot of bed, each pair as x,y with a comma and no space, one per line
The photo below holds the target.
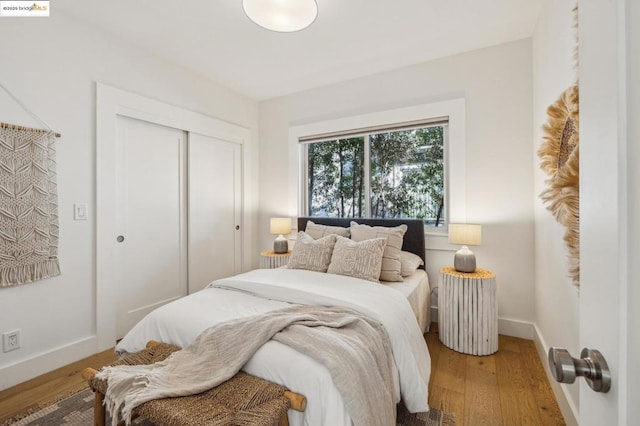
241,400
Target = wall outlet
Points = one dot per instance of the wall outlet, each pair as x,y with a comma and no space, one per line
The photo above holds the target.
11,341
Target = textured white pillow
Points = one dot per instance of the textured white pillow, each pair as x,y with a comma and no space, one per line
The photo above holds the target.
317,231
391,266
357,259
409,263
310,254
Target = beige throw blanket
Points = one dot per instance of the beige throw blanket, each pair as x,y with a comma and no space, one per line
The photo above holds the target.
354,348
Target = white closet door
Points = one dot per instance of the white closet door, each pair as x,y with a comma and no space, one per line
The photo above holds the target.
215,194
151,219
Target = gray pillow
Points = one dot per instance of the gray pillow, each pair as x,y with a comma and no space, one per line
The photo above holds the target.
391,266
357,259
310,254
317,231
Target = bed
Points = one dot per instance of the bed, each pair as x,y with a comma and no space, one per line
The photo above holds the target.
416,287
402,307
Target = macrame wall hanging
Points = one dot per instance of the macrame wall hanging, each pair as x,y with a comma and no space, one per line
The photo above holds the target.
559,158
28,203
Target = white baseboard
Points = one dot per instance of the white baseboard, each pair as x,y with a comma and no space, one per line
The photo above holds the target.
45,362
515,328
506,326
567,407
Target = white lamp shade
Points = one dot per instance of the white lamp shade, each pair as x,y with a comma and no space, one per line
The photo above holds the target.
280,225
281,15
465,234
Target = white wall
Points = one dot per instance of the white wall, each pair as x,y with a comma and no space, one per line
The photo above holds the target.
496,85
52,65
556,299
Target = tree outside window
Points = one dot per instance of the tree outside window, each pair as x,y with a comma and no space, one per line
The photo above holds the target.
405,169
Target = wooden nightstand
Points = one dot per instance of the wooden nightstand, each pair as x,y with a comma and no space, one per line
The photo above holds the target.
270,259
468,311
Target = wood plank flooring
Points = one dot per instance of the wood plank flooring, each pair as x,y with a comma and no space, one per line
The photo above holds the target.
506,388
503,389
49,387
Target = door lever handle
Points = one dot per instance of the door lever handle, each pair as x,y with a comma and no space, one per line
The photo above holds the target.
591,365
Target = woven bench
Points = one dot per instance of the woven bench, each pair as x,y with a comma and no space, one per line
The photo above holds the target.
241,400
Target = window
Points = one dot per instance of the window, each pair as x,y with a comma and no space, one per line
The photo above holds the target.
387,172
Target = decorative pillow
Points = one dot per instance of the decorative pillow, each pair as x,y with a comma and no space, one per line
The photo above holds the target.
357,259
391,266
409,263
310,254
317,231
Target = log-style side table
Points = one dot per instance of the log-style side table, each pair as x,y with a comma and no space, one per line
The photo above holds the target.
271,260
468,311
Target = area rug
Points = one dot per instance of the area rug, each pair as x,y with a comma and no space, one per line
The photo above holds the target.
77,410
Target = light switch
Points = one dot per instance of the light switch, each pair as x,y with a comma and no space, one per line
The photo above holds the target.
80,211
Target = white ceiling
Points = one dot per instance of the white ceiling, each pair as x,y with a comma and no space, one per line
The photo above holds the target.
349,39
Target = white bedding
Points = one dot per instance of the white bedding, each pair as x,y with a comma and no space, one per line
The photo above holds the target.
255,292
417,291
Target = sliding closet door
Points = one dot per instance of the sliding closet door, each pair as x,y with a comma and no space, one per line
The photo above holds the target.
215,229
151,266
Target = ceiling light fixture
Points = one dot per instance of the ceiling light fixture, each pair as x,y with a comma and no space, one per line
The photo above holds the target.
283,16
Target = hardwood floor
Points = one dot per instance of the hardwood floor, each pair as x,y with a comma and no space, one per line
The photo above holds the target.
507,388
50,386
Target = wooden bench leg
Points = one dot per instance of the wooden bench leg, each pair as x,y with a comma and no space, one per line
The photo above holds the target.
298,402
99,411
284,420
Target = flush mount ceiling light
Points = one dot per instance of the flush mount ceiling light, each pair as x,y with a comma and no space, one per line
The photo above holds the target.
281,15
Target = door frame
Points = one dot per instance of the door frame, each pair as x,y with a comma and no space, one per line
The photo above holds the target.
632,63
111,103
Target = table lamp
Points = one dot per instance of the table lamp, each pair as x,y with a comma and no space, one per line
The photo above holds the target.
280,226
467,235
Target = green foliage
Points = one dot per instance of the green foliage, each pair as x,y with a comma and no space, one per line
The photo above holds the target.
406,172
336,178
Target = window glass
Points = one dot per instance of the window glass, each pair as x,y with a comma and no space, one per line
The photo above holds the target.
405,172
336,178
407,175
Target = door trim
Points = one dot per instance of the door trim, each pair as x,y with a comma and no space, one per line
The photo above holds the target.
110,103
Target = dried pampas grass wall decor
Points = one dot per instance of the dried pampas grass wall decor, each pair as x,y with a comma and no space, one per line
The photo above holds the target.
559,159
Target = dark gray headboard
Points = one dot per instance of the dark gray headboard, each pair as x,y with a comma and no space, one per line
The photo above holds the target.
413,238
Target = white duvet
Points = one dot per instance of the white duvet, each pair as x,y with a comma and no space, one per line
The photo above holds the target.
263,290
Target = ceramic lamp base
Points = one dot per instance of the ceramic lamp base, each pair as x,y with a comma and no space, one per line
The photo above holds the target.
464,260
280,245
